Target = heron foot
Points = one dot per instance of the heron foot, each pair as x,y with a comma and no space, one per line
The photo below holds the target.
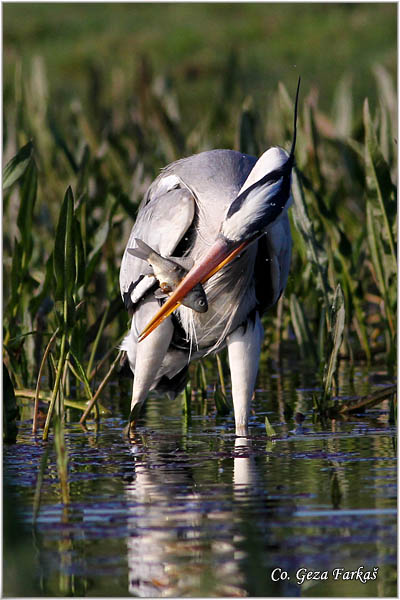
133,418
129,430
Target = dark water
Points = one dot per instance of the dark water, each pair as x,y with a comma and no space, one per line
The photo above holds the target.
187,509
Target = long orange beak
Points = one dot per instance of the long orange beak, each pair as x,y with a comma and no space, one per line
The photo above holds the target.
217,257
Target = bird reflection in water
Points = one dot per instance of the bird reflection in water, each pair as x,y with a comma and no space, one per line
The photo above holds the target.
187,537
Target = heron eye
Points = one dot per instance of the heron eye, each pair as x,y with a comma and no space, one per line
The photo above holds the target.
201,302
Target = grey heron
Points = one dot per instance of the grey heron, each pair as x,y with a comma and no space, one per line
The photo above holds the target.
227,211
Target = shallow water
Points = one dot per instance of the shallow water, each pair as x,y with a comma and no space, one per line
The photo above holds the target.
187,509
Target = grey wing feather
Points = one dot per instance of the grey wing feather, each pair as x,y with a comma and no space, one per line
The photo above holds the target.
163,218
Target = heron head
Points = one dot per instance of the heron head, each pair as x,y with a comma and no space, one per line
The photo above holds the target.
272,159
263,197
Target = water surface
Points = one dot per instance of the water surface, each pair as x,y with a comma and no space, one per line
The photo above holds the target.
188,509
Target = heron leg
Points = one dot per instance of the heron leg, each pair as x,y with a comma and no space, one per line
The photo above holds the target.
244,346
149,355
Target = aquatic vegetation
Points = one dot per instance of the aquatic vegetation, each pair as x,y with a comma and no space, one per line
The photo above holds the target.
71,191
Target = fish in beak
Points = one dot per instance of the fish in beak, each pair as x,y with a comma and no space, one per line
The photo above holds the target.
220,254
169,272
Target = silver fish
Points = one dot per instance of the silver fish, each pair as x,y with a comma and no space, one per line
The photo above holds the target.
169,272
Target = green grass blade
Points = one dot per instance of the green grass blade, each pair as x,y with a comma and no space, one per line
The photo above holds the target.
380,188
56,389
315,253
387,92
46,397
377,257
315,165
322,337
39,380
22,284
64,260
268,428
39,483
80,373
96,341
62,459
248,128
338,322
187,400
99,239
221,372
17,166
101,386
15,275
43,297
25,213
303,336
79,256
64,249
343,108
83,173
221,402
